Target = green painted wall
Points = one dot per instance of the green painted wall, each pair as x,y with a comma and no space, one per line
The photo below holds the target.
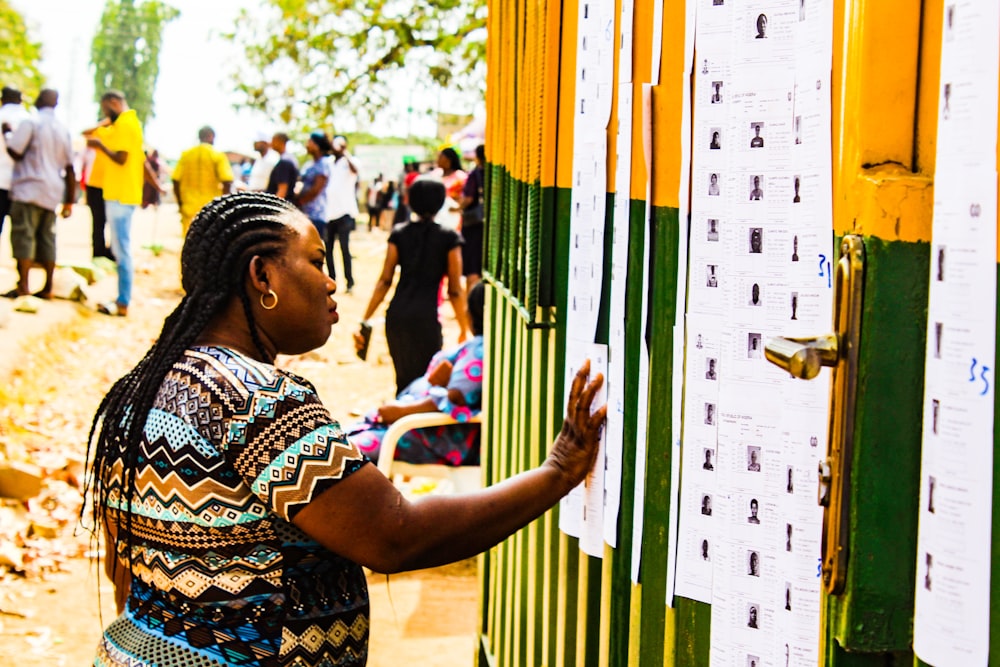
995,554
873,619
659,333
546,601
539,584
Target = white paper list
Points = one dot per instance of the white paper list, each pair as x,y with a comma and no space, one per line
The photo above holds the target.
759,266
595,69
952,610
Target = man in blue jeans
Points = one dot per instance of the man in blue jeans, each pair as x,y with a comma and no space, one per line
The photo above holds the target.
341,206
121,142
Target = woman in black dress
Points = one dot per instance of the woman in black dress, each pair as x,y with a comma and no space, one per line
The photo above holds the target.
425,252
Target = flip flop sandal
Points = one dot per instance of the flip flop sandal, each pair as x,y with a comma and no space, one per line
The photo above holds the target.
27,304
111,308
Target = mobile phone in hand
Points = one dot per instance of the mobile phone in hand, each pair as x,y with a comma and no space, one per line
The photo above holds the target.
366,335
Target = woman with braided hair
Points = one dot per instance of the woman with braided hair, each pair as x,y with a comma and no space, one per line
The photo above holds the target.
237,515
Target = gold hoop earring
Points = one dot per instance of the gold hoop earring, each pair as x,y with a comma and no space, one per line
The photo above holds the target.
270,292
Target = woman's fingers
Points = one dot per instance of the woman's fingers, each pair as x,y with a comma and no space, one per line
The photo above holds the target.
586,400
591,390
597,419
579,382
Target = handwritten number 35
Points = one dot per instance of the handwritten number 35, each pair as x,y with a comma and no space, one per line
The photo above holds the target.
983,370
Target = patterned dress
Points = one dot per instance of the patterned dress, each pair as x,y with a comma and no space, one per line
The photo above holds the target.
232,450
455,444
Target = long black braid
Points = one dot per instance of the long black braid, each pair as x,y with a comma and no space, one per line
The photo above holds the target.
223,238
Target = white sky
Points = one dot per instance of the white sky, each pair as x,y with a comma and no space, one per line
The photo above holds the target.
193,87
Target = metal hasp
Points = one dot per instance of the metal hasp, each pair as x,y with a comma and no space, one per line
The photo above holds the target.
803,358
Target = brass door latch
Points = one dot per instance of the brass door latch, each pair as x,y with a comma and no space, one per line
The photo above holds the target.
804,358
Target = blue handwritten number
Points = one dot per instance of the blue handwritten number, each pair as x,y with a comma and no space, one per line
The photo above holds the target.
819,568
984,369
824,270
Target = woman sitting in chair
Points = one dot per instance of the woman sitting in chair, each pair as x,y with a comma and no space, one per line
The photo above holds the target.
452,384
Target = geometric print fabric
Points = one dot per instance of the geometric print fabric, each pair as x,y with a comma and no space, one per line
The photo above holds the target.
232,450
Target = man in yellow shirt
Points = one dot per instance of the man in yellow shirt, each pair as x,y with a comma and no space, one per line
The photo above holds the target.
201,175
121,142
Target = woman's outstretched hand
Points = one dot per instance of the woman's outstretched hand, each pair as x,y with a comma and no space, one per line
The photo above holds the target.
575,448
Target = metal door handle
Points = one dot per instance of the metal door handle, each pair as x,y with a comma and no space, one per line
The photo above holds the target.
804,358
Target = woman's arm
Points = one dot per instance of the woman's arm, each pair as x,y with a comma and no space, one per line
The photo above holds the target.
384,280
150,178
366,519
381,289
438,375
393,412
319,184
456,293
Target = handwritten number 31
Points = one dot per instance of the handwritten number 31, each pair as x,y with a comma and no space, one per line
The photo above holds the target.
824,270
983,370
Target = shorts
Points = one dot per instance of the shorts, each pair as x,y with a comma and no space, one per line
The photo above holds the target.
32,232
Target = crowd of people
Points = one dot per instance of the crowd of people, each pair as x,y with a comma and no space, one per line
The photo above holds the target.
436,241
38,180
210,465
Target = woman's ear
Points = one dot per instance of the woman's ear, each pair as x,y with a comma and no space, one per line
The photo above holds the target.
257,274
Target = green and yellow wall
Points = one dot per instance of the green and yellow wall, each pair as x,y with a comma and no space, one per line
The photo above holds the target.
544,602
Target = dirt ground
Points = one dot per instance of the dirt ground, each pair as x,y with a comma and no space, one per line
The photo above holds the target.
56,365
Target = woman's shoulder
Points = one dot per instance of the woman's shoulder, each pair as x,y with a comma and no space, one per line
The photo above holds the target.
452,237
400,230
245,386
230,369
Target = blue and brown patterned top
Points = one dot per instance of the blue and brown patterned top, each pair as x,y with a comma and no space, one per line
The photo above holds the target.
232,450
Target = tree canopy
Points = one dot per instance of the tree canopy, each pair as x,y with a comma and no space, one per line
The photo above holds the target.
304,60
19,56
125,52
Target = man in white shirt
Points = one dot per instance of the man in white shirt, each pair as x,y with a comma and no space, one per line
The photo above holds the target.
43,178
341,206
260,172
12,112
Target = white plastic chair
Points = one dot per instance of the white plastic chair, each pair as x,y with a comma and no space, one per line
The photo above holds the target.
462,478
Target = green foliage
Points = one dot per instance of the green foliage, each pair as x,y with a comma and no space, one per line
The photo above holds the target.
429,144
307,59
19,56
125,52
